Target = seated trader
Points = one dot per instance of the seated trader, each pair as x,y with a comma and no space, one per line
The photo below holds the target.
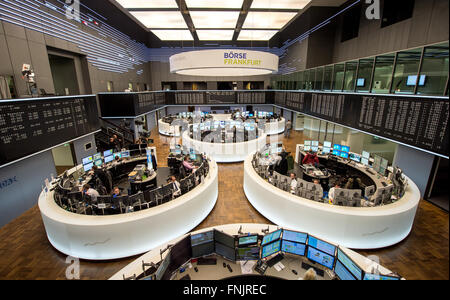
87,190
187,165
293,183
175,186
116,192
332,191
310,159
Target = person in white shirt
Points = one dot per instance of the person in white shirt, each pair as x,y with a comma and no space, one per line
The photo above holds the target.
87,190
293,183
175,186
332,191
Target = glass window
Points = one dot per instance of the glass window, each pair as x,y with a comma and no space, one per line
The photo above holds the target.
328,73
319,77
300,79
307,81
434,73
383,74
312,76
406,69
364,74
350,76
338,77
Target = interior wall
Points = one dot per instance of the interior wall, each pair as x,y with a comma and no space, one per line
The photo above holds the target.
80,150
62,155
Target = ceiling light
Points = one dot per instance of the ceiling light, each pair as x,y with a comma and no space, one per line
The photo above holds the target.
256,35
214,19
272,20
214,4
226,62
173,35
280,4
148,4
215,35
160,19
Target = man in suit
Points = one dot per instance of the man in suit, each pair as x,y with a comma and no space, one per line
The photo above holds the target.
175,186
155,165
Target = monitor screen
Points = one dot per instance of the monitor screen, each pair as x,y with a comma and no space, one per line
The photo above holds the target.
119,154
249,253
248,240
326,150
161,271
88,166
327,144
98,162
336,152
366,154
201,238
293,248
315,143
413,79
342,273
181,253
321,245
87,160
307,148
307,143
224,239
295,236
109,159
315,149
355,157
126,153
337,147
193,156
227,252
361,82
271,249
250,115
345,149
320,258
203,249
97,156
349,264
365,161
344,154
368,276
107,153
270,237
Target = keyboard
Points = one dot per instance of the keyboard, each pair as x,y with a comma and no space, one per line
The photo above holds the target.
275,260
207,261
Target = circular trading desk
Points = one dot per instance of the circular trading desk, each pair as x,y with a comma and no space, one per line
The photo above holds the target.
239,270
168,128
123,235
225,152
275,127
352,227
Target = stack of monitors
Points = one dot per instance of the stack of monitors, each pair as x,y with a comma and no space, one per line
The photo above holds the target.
88,163
271,244
98,161
365,158
294,242
224,245
315,146
321,252
337,150
108,155
345,151
355,157
248,248
326,147
202,244
346,268
307,146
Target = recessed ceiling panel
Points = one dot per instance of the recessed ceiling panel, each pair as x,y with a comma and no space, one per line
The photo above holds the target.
173,35
256,35
214,3
148,3
215,35
214,19
160,19
280,4
269,20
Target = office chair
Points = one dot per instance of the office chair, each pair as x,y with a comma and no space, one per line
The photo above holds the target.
158,196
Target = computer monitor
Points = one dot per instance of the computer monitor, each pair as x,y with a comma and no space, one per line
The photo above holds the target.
355,157
161,271
307,143
224,239
344,154
108,159
248,240
321,245
336,152
412,79
98,162
88,167
368,276
365,161
315,149
97,156
315,143
107,153
320,257
361,82
202,244
227,252
307,148
181,253
294,236
342,273
193,156
349,264
119,154
293,247
326,150
270,249
270,237
365,154
88,160
201,238
345,149
247,253
125,153
327,144
337,147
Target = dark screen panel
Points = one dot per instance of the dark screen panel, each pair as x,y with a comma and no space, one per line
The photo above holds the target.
30,126
181,252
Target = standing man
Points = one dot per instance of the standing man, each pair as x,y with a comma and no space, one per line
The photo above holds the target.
287,132
155,165
293,183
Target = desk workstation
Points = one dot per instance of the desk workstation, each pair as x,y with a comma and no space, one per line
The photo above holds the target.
254,251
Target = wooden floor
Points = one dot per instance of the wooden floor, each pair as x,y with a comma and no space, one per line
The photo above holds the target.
25,252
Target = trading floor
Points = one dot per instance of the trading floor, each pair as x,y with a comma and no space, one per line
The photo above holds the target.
422,255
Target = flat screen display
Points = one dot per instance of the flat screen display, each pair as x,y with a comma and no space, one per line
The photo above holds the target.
361,82
88,167
336,152
368,276
342,273
270,249
366,154
248,240
295,236
126,153
326,150
117,154
321,245
321,258
98,162
181,253
270,237
307,148
163,267
203,249
201,238
344,154
355,157
248,253
293,248
224,239
97,156
315,143
413,79
315,149
307,143
109,159
349,264
345,149
107,153
87,160
337,147
227,252
327,144
365,161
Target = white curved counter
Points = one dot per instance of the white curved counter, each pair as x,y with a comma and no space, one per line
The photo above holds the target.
352,227
118,236
167,129
225,152
135,268
277,127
